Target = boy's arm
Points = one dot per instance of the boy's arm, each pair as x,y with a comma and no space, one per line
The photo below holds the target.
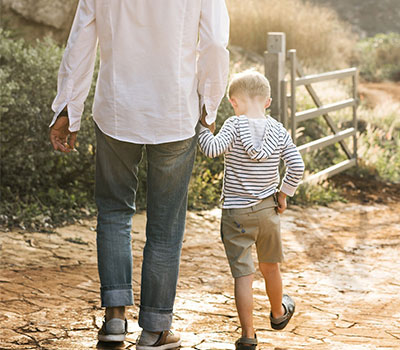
294,167
213,146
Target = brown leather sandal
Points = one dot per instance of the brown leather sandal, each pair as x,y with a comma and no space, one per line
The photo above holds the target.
281,322
244,343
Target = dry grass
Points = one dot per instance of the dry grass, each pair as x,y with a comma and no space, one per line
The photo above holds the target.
317,34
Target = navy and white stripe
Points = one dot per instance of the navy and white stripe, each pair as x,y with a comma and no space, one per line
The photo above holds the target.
251,174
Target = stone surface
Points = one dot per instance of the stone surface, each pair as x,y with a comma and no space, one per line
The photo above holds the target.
33,19
341,268
55,13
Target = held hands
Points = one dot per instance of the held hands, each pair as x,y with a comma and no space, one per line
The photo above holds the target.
282,205
61,138
204,123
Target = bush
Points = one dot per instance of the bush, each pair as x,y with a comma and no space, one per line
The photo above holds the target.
208,173
379,57
317,34
39,187
321,194
379,144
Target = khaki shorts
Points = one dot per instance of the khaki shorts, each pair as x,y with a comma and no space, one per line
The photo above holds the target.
242,227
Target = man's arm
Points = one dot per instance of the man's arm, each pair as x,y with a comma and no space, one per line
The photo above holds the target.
213,61
75,75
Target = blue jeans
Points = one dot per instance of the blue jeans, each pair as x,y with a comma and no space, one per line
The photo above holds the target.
168,173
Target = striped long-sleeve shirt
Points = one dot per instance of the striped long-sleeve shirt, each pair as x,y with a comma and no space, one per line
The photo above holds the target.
252,173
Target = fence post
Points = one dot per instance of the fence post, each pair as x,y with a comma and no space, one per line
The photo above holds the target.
355,97
284,105
293,67
274,64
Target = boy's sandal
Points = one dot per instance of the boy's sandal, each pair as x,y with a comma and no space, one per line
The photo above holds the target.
281,322
244,343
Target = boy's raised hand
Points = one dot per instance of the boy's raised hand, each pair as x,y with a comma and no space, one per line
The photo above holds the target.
282,205
204,123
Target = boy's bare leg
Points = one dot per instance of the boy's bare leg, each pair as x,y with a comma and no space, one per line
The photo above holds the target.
244,304
273,286
115,312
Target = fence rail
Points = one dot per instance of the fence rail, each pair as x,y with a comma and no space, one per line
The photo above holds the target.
275,59
326,141
316,78
331,107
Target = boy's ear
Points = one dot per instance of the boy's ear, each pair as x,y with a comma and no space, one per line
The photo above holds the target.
268,103
233,102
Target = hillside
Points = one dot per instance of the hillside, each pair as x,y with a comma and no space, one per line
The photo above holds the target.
367,17
36,18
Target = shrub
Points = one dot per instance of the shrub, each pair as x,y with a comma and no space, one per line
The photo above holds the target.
39,187
206,182
317,34
321,194
42,188
379,57
379,144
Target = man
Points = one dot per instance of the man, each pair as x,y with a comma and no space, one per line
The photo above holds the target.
161,63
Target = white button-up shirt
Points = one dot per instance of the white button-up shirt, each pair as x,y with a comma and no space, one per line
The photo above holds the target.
161,61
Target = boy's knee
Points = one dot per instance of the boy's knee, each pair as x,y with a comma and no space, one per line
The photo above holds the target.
269,267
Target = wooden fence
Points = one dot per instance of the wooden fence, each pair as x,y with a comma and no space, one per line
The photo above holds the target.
275,63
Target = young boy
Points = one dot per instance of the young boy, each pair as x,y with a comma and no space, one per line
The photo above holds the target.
253,145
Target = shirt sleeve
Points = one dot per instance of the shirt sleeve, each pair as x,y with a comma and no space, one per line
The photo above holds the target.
213,57
77,66
213,146
294,166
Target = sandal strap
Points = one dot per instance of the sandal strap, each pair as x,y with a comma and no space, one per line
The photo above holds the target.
244,340
245,343
161,339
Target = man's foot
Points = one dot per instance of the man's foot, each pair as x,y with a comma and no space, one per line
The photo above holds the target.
113,330
281,322
165,340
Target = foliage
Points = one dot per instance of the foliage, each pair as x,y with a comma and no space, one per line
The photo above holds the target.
38,186
41,188
321,194
206,183
379,144
379,57
316,32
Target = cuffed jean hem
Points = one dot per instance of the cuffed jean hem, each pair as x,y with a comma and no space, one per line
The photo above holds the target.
116,297
154,321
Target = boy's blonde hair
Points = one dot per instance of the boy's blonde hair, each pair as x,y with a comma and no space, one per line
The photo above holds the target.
251,83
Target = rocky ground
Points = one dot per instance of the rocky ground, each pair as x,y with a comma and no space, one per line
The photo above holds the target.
341,268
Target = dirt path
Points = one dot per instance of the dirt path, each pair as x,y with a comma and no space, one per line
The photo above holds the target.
341,267
379,93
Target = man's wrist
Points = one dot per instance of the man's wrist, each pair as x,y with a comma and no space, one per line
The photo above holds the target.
63,113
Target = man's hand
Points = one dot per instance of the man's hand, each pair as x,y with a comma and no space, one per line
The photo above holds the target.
61,138
204,123
282,205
